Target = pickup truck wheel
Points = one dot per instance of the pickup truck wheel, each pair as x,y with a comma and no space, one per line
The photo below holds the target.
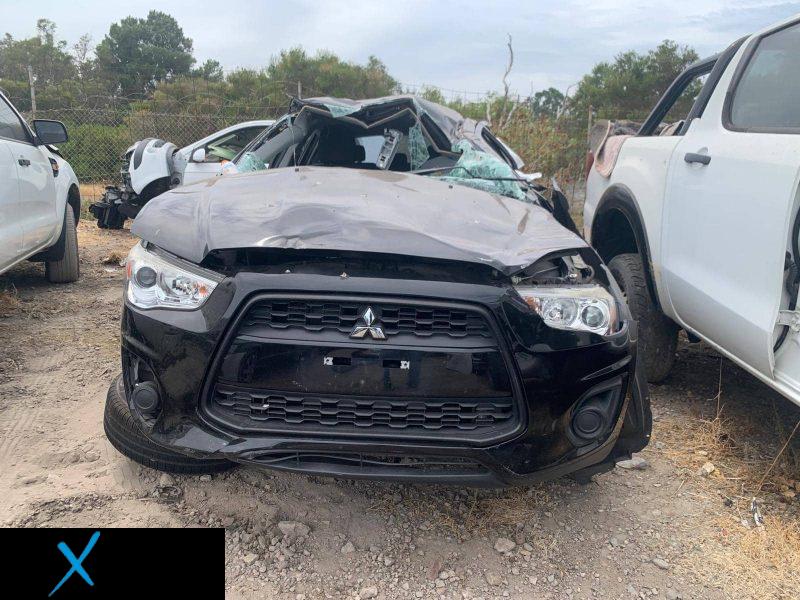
658,336
124,434
68,268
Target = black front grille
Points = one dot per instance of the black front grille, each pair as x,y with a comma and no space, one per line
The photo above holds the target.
302,410
321,315
291,367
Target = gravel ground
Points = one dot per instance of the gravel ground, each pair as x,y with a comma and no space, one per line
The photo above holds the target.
676,523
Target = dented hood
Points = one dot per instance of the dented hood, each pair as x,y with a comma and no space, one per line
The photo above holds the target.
351,210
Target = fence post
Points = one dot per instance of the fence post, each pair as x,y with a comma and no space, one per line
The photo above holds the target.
299,89
33,92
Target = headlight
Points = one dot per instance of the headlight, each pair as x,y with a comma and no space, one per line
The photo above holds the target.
155,281
578,308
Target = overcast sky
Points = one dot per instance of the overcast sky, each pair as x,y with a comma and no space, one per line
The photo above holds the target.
457,45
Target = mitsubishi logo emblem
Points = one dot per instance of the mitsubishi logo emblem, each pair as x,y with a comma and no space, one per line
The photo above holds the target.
368,328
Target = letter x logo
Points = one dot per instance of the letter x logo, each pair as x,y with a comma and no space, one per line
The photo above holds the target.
76,567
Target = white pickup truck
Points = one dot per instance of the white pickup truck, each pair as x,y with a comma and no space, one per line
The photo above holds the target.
40,199
699,222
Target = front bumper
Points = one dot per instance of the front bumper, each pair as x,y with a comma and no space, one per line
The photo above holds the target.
552,374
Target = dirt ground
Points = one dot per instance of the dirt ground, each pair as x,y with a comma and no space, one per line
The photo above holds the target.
663,530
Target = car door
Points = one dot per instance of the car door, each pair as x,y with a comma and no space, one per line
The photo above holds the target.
223,148
642,167
37,191
10,226
731,196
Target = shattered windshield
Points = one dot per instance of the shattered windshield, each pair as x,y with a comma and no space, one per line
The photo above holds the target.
394,134
483,171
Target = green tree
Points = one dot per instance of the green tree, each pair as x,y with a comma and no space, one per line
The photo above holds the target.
54,72
81,56
243,94
211,70
325,73
249,93
547,103
631,85
49,59
433,94
138,53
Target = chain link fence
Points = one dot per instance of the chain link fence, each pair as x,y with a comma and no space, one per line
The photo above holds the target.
101,130
99,138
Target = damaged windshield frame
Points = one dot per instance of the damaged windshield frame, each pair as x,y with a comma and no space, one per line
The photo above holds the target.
412,140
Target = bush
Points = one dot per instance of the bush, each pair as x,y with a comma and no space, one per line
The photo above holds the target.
95,151
556,147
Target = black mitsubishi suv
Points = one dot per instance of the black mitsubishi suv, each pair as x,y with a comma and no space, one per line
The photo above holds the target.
378,291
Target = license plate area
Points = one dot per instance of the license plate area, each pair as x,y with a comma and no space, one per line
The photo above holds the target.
348,361
356,371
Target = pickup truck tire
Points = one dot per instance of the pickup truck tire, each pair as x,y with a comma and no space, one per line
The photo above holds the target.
658,336
67,269
124,434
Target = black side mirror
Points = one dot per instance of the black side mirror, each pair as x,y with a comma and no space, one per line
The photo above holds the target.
50,132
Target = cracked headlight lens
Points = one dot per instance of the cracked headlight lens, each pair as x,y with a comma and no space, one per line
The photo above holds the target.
156,281
576,308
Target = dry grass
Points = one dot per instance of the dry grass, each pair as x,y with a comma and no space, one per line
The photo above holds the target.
115,258
752,451
99,244
91,192
755,453
743,559
757,562
510,507
743,465
9,301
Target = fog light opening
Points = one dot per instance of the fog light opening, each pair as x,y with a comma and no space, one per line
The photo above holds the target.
588,422
143,391
146,399
594,415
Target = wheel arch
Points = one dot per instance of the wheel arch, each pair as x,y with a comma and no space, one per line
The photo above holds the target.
56,250
618,228
74,200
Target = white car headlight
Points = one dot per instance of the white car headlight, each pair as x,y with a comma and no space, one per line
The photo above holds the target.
154,281
578,308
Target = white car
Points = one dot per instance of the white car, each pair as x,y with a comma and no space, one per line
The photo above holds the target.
39,197
699,224
204,158
153,166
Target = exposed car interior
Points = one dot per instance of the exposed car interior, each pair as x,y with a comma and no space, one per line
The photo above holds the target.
228,146
312,136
